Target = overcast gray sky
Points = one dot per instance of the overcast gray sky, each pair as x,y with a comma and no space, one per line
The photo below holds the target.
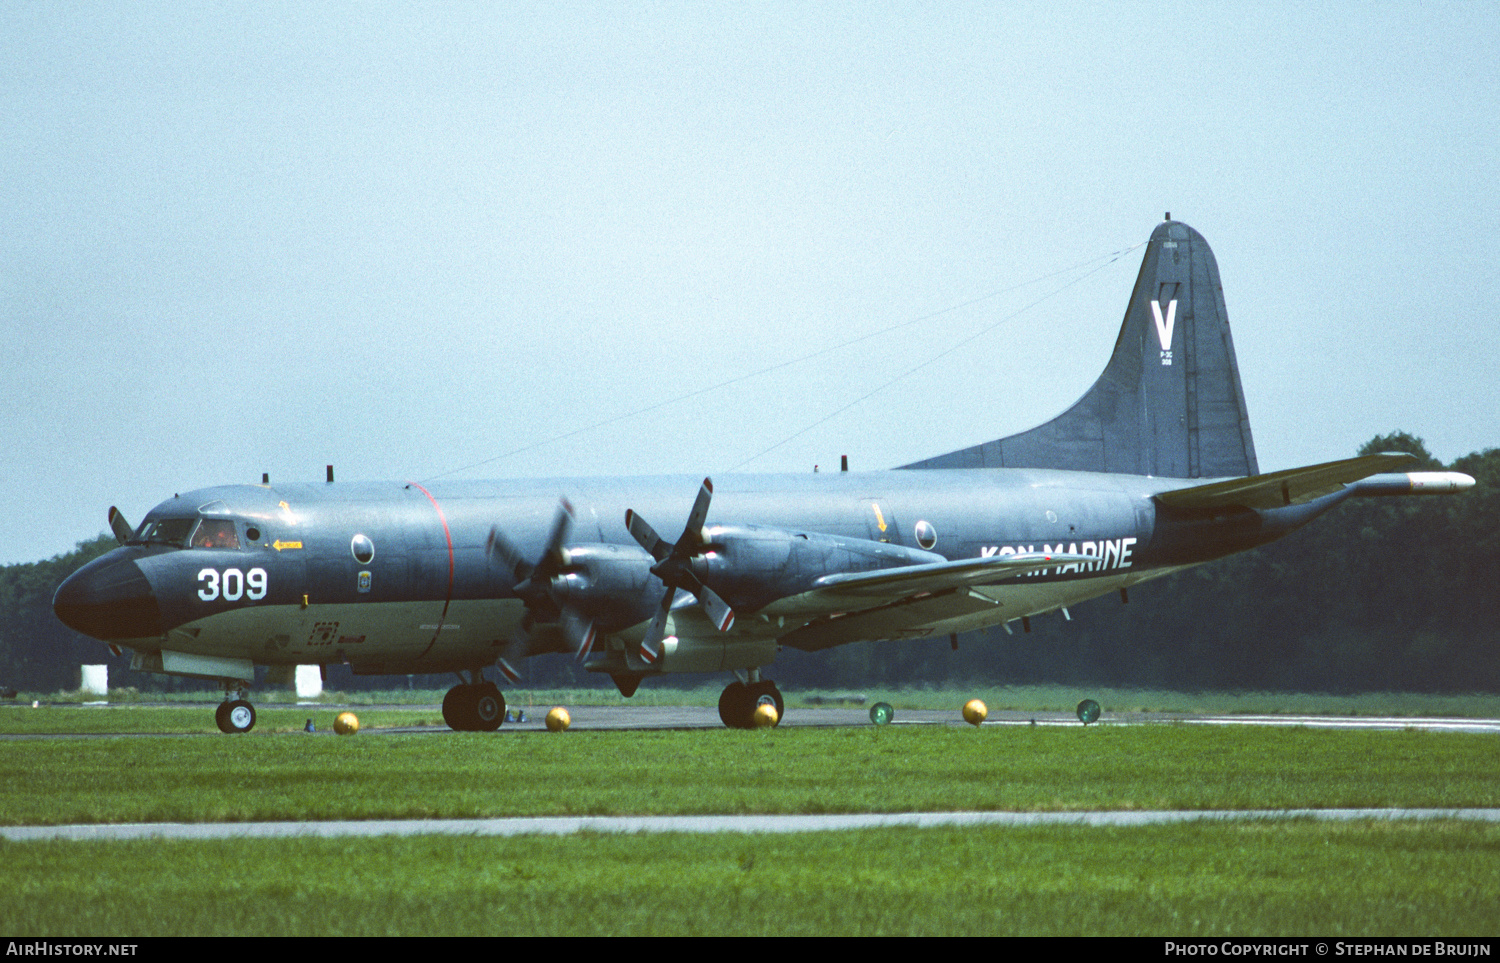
406,240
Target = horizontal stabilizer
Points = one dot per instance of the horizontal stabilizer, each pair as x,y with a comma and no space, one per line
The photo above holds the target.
1294,486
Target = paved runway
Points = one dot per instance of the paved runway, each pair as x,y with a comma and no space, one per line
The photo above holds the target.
639,717
567,825
688,717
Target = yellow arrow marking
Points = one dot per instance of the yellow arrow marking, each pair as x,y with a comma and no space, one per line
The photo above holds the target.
279,545
879,518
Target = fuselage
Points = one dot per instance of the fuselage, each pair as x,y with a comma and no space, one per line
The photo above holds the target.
401,577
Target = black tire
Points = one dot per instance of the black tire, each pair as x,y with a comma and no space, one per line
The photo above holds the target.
238,716
737,706
767,688
221,717
458,708
488,707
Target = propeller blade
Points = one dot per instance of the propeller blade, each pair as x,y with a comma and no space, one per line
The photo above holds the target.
657,630
580,633
693,533
644,534
118,525
718,610
501,550
555,556
518,648
586,644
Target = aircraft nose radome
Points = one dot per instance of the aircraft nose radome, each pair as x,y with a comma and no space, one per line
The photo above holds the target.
109,598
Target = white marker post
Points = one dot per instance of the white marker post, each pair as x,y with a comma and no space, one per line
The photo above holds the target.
309,681
94,679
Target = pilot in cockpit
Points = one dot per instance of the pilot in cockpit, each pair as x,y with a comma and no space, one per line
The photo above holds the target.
216,533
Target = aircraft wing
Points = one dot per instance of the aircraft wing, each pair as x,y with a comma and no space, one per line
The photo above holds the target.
914,601
1293,486
899,583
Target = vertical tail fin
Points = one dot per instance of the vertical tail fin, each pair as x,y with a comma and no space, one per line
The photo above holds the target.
1169,402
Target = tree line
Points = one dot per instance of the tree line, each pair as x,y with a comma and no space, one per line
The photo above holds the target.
1381,594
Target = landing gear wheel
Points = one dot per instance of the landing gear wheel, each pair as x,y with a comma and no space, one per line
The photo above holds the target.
489,707
236,716
477,707
766,691
458,709
737,706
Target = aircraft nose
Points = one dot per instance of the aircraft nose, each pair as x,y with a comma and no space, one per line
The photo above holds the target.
109,598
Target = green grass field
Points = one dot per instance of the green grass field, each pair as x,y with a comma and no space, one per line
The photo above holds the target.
813,770
1249,878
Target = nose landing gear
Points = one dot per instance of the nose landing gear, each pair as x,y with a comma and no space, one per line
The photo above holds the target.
235,715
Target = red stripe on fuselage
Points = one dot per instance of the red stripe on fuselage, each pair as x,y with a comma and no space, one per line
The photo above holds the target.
449,537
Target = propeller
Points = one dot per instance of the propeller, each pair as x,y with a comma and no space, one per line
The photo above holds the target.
674,568
533,585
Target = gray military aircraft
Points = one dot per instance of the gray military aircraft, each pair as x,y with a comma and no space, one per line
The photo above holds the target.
1151,471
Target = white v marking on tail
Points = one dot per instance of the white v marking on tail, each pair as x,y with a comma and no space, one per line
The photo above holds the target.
1164,328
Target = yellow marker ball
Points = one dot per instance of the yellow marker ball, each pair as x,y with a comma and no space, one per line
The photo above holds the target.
765,716
347,724
975,712
558,719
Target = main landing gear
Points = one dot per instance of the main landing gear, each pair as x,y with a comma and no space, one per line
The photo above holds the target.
738,702
235,715
474,706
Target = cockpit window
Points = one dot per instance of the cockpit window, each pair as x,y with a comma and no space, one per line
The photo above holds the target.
216,533
165,531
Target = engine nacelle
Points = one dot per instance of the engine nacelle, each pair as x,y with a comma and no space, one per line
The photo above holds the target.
612,585
751,566
716,652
